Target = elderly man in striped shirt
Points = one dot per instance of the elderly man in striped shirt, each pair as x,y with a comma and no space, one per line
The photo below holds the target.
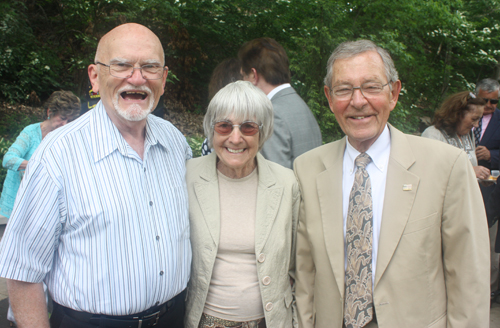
102,214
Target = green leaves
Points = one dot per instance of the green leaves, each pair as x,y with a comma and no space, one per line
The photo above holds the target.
439,46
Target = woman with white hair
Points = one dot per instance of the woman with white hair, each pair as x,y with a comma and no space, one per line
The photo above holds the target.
243,214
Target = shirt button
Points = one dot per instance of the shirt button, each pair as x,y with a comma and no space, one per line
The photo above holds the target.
266,280
150,203
157,237
262,258
144,169
269,306
161,273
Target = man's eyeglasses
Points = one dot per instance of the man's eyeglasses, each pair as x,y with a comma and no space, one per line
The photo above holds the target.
368,90
124,70
492,101
225,128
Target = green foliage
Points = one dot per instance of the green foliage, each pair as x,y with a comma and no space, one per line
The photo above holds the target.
439,46
195,143
13,122
25,64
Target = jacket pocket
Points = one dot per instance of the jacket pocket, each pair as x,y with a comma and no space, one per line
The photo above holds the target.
421,224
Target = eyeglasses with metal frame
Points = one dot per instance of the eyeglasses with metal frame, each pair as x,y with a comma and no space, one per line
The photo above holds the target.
368,90
247,128
125,71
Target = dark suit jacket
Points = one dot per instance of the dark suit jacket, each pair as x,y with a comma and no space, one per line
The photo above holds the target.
491,140
493,212
295,129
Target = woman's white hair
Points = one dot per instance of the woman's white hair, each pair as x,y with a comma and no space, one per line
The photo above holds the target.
242,101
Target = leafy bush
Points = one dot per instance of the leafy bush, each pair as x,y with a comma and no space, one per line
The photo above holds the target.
439,47
195,143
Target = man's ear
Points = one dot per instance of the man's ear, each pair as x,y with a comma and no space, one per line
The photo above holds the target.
92,71
396,89
254,77
329,97
165,74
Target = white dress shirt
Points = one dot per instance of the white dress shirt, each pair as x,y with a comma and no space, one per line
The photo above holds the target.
274,91
106,231
377,169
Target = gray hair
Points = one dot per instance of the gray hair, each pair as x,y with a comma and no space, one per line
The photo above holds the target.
243,101
350,49
488,85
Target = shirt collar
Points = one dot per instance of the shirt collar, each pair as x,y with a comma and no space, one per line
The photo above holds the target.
379,151
271,94
106,138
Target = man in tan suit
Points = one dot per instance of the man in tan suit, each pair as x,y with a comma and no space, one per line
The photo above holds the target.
392,230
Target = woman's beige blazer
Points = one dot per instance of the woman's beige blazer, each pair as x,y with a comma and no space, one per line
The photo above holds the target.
278,199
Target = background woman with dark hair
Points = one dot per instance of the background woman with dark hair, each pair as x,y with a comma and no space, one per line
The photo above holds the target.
453,123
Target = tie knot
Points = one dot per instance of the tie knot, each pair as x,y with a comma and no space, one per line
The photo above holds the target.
362,160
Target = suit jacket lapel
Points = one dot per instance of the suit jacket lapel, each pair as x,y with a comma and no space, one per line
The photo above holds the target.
329,185
207,194
398,200
493,125
269,196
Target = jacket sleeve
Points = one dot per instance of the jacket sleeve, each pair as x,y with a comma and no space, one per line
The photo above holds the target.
15,155
465,245
278,148
305,273
493,206
494,159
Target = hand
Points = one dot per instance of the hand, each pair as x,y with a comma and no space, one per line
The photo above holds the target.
481,172
23,165
482,153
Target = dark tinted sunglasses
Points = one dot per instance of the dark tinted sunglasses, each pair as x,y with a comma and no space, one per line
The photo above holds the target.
492,101
246,128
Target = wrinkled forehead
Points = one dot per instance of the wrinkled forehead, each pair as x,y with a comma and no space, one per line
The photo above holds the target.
363,67
490,95
133,43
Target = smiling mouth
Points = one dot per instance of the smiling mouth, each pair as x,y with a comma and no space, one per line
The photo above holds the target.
134,95
359,117
235,151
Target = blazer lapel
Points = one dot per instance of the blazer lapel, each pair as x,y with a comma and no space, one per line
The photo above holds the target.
269,197
400,191
207,195
493,125
329,185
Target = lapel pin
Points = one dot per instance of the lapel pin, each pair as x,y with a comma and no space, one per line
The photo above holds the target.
407,187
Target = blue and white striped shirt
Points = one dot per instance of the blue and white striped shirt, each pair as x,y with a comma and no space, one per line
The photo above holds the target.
106,231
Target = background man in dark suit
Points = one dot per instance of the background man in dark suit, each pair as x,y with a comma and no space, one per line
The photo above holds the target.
487,151
264,63
488,143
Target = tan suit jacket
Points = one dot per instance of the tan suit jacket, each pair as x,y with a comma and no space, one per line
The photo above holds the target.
278,200
433,254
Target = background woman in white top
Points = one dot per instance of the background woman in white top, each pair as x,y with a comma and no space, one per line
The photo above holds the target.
453,123
243,216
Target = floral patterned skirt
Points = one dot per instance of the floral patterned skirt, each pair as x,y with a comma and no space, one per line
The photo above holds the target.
208,321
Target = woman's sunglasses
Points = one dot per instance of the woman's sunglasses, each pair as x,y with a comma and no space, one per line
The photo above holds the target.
225,128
